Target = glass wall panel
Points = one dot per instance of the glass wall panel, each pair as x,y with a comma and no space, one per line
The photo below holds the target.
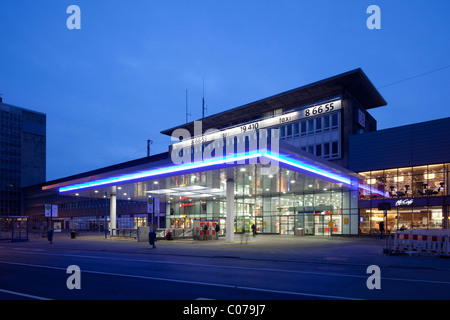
391,183
404,181
365,221
435,218
420,217
420,183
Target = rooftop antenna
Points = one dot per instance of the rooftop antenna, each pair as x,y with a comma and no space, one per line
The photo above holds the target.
203,100
187,112
149,142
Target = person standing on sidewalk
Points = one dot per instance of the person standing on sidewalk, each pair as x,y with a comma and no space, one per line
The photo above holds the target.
205,231
254,230
381,224
217,231
152,238
50,234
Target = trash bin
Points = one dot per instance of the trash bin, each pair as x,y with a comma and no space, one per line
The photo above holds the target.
73,234
299,232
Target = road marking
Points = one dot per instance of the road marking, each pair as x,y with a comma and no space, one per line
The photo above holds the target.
236,267
23,295
208,284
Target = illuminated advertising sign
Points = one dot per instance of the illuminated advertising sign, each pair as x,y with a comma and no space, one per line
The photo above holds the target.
263,124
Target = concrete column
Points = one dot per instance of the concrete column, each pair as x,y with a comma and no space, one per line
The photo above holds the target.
230,211
112,210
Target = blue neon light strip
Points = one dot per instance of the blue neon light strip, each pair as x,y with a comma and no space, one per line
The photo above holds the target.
312,169
161,171
207,163
309,168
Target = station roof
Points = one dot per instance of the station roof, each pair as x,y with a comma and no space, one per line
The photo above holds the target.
356,82
148,170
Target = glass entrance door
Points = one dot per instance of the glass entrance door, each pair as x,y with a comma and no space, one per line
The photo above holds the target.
309,224
287,224
259,224
319,225
322,224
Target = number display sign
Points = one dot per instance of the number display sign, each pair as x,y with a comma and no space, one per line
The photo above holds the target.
264,124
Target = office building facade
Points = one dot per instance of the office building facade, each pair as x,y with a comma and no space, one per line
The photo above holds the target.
22,154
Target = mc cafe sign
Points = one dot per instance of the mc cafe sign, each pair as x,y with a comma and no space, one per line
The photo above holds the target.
407,202
404,202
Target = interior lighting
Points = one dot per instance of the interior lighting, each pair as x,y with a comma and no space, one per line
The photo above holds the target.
429,176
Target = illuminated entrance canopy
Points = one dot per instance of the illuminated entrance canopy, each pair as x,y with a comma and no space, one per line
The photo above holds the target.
264,156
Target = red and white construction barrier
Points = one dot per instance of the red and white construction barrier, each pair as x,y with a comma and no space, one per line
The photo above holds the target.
434,242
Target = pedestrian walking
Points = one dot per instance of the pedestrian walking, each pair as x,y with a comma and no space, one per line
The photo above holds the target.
381,224
50,234
217,231
205,231
243,235
152,238
254,230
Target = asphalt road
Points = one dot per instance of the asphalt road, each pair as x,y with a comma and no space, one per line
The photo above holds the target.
265,268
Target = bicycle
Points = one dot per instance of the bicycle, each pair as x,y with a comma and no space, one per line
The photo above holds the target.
40,234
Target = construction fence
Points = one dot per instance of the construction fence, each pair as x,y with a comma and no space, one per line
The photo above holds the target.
423,241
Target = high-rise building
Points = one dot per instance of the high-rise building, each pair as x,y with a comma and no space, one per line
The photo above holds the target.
22,154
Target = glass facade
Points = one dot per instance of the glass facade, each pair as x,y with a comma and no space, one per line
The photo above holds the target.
22,155
284,203
281,203
417,196
10,161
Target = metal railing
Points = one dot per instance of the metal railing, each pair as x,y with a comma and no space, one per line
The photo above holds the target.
176,233
127,233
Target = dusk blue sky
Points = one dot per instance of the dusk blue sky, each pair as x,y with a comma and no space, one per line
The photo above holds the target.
122,78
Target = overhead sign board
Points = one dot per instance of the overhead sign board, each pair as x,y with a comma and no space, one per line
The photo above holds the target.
264,124
51,210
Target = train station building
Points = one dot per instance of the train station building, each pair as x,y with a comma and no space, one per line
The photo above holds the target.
307,161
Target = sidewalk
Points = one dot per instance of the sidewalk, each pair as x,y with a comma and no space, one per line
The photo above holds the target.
363,251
